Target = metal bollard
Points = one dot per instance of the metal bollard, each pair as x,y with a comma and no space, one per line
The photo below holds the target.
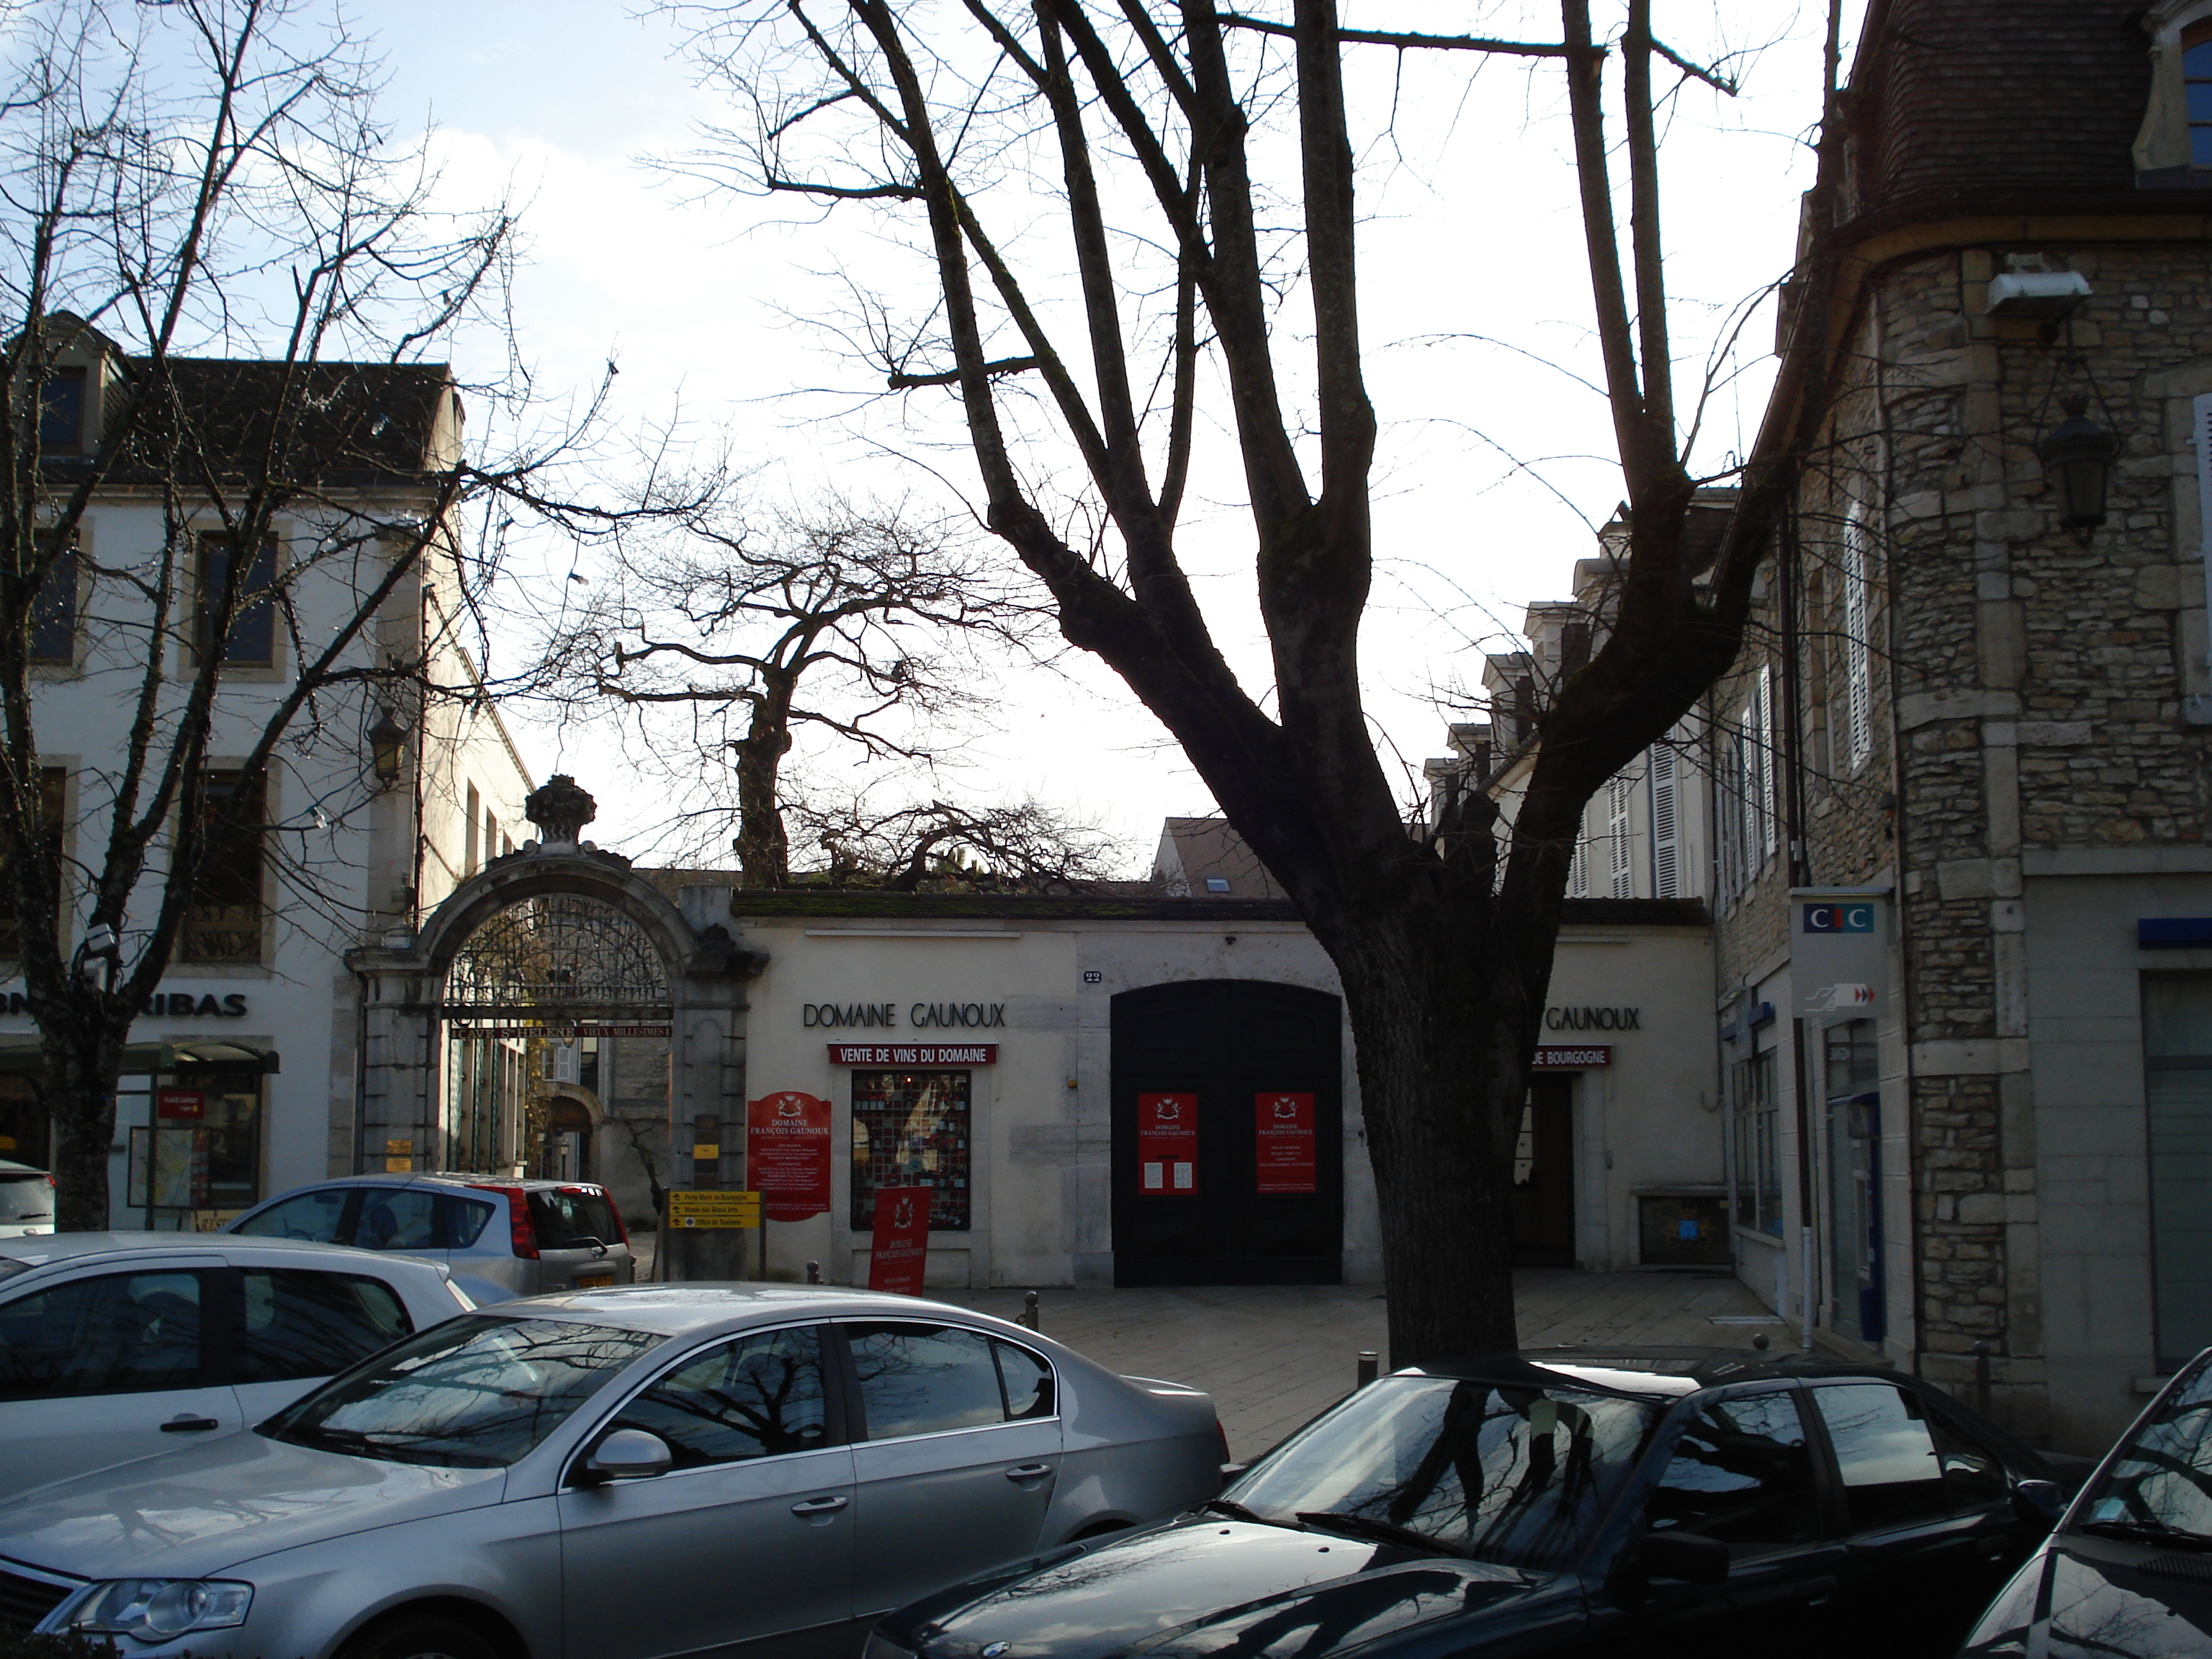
1982,1352
814,1272
1031,1315
1370,1367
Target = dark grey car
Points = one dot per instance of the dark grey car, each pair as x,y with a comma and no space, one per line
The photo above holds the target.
503,1236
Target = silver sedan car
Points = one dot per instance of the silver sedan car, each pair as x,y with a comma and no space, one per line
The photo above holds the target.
616,1474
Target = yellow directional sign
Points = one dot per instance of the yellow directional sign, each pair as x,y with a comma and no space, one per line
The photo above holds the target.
713,1209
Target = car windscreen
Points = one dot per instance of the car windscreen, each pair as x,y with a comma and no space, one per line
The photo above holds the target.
1514,1475
26,1198
475,1393
2161,1481
573,1218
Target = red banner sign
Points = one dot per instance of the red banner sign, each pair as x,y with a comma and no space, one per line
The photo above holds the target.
1571,1059
1283,1129
788,1154
179,1104
900,1252
913,1053
1167,1146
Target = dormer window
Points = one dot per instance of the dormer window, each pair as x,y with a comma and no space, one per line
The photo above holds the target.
61,411
1217,883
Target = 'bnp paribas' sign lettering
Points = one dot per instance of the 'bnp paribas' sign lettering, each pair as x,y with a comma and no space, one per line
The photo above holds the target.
162,1005
920,1015
1593,1019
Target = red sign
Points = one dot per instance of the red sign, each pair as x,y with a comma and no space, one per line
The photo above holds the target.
1571,1059
1167,1146
175,1103
1283,1126
788,1154
913,1053
901,1249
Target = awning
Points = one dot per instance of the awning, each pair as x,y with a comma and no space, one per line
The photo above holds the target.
21,1058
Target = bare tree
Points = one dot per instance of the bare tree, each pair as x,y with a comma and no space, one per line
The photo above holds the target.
943,845
1151,124
846,620
229,473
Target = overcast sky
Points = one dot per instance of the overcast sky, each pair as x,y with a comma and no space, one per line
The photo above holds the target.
1475,305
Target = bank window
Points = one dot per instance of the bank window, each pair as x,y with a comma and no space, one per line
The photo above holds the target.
251,640
187,1170
1758,1143
53,798
223,923
910,1129
2177,1091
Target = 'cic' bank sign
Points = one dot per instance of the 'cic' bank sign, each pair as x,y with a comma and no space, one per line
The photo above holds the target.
1838,916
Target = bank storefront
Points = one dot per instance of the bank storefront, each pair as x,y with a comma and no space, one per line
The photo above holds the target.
1163,1092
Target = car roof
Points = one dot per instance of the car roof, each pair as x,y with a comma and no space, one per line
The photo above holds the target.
433,1178
7,1167
1647,1372
679,1309
47,1250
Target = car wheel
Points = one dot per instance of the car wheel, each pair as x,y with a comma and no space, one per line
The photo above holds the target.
425,1637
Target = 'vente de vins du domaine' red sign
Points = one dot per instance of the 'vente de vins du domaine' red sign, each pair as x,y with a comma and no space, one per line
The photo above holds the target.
1167,1146
1283,1127
913,1053
787,1153
899,1253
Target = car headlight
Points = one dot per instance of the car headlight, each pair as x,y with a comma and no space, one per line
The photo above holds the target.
152,1609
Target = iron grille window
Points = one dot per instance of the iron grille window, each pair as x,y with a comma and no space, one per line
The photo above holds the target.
564,949
910,1129
223,922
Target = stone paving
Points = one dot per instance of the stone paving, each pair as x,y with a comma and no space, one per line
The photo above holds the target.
1273,1356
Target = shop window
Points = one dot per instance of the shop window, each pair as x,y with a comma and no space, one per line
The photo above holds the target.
2177,1092
25,1137
910,1129
54,791
204,1170
1758,1143
251,641
223,922
54,610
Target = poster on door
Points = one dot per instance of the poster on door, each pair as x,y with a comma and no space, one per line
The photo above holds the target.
1283,1132
1167,1146
899,1254
787,1153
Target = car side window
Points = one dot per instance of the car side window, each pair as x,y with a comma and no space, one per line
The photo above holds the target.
397,1218
116,1333
1973,1474
1741,1472
754,1397
298,1322
1884,1453
316,1216
924,1379
1028,1381
464,1220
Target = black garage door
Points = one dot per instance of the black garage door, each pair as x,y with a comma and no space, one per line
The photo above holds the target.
1228,1135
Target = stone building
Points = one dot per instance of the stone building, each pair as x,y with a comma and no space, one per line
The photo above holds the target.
1963,892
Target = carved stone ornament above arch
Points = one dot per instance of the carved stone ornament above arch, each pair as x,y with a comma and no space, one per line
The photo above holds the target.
2163,147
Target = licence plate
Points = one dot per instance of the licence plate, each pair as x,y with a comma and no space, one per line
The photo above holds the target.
593,1281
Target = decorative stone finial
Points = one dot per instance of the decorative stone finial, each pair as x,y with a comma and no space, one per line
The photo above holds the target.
560,809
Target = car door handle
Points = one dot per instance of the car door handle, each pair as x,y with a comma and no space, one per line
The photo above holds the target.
1029,1471
1816,1590
187,1424
819,1506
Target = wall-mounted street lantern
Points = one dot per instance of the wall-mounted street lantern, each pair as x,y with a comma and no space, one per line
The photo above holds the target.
2077,459
387,746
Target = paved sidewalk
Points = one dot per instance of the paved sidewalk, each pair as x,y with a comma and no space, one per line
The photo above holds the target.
1273,1356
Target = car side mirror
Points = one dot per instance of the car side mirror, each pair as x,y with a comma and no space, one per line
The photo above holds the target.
2038,1503
628,1455
1684,1555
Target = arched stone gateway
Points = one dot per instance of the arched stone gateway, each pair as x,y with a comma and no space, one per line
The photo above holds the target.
559,937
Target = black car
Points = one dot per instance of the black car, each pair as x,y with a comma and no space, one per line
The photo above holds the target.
2128,1573
1553,1502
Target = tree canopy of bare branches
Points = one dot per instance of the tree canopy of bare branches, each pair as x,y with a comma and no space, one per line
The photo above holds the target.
1188,217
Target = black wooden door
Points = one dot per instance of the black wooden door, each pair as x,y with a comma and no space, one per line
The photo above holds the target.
1235,1051
1544,1176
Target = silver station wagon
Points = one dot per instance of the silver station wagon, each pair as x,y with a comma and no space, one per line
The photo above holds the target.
616,1474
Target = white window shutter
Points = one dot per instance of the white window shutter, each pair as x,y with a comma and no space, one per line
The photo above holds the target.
1768,814
1858,649
1620,882
1666,834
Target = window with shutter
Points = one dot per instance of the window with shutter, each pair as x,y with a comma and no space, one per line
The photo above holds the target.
1858,654
1661,774
1769,813
1578,867
1619,881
